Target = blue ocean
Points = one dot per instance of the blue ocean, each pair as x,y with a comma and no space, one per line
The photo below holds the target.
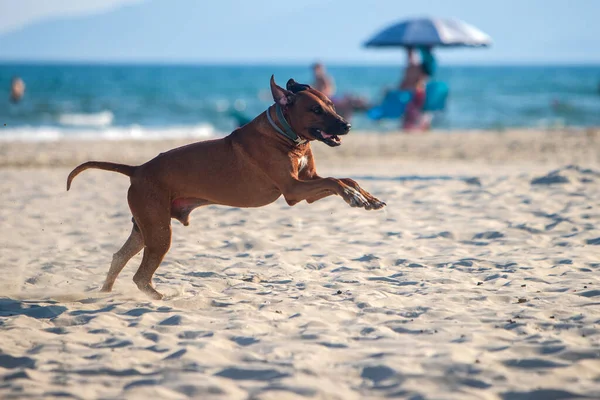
162,101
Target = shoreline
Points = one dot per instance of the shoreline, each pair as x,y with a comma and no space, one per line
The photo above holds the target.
489,147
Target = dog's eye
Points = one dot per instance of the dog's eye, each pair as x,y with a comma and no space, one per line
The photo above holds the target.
317,110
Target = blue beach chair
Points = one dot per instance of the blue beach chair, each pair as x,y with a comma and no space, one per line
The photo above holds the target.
395,101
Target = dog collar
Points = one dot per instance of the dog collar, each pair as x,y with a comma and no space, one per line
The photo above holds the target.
287,131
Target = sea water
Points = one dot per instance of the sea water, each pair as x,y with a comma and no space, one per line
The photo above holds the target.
165,101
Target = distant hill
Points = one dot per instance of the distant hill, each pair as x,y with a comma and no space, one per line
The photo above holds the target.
157,30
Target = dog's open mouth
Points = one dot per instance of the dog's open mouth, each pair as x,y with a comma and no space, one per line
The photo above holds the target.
330,140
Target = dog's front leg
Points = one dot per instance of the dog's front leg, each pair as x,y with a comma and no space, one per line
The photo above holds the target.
374,202
349,187
316,189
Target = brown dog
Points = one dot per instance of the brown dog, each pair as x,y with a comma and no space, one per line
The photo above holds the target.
251,167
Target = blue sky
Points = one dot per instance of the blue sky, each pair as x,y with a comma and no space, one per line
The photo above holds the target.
268,31
16,13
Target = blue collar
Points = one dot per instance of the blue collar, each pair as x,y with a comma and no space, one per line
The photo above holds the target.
287,131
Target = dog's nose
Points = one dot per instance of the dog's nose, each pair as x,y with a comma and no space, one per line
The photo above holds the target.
345,126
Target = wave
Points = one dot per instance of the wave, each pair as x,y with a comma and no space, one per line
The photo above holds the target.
133,132
101,119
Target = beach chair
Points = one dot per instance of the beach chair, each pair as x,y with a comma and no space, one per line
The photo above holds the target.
395,101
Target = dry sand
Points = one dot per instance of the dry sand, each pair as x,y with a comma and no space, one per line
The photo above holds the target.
478,281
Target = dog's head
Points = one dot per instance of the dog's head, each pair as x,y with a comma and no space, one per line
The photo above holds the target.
310,113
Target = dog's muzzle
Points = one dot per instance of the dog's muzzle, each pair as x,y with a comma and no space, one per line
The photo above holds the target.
331,137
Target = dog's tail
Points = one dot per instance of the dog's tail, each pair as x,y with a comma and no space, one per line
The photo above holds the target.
107,166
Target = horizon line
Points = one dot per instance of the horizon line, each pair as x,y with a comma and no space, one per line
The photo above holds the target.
295,63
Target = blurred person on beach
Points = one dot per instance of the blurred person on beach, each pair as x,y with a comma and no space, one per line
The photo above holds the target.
345,105
415,80
17,89
413,73
322,81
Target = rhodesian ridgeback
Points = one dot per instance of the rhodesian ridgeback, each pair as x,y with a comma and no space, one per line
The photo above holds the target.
252,167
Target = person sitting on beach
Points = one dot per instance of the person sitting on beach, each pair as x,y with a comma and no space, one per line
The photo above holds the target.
17,89
415,80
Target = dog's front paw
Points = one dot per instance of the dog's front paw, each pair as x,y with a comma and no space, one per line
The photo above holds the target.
375,204
355,198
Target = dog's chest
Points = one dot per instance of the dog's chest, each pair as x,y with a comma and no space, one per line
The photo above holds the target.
302,162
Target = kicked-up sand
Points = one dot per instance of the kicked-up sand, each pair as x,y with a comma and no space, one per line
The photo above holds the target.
479,280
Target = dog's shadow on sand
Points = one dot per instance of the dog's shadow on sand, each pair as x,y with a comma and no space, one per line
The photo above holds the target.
44,309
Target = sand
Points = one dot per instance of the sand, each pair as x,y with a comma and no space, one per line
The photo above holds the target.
478,281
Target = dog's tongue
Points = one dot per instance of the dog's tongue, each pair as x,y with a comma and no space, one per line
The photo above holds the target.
327,136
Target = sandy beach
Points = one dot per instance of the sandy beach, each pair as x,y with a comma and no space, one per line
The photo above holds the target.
479,280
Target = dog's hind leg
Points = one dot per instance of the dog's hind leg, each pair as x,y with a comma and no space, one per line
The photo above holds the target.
158,241
151,210
133,245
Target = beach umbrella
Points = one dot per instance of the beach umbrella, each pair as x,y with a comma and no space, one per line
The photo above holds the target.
430,32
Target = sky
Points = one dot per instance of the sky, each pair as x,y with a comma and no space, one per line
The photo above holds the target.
265,31
17,13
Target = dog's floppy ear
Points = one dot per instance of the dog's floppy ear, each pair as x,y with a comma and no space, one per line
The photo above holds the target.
296,87
280,95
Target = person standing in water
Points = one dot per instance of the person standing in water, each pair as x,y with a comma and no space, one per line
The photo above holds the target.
322,81
17,89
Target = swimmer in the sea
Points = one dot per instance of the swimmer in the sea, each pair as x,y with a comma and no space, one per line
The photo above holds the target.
17,89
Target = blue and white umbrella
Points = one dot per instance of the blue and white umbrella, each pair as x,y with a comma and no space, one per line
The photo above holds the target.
430,32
